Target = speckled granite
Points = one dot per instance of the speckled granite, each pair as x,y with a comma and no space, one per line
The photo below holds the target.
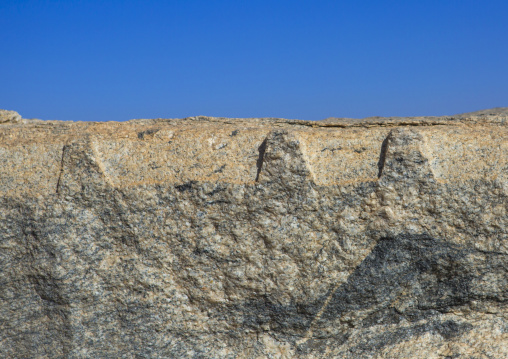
255,238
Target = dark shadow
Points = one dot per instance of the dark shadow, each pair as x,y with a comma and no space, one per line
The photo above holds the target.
259,163
409,280
382,157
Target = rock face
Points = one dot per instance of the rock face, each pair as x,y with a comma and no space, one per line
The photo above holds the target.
253,238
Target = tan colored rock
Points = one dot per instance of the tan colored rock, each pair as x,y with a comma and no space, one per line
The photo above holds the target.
9,116
252,238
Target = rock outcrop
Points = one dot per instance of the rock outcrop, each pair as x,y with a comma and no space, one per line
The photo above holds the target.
255,238
9,116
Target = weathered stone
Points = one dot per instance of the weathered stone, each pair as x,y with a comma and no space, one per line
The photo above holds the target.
251,238
9,116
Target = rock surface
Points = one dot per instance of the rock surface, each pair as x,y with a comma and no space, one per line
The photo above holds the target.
9,116
255,238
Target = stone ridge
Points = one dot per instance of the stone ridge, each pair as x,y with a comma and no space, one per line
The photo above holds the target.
205,149
255,238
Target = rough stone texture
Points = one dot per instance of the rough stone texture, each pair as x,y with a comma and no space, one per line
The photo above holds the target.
9,116
255,238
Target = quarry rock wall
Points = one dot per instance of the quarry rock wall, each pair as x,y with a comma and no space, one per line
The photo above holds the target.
252,238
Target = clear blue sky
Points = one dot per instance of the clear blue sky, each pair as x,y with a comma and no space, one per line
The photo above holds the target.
118,60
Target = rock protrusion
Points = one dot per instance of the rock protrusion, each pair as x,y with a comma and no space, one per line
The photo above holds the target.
9,116
403,158
81,171
282,159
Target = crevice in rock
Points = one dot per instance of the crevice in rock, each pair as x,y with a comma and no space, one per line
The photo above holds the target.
259,163
388,123
60,174
187,186
143,135
382,157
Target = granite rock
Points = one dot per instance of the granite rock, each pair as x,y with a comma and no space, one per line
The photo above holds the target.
9,116
255,238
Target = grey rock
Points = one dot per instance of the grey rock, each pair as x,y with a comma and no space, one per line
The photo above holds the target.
255,238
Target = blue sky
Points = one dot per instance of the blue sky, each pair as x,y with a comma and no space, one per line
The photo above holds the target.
118,60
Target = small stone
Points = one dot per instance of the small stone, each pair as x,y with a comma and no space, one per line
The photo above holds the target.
9,116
